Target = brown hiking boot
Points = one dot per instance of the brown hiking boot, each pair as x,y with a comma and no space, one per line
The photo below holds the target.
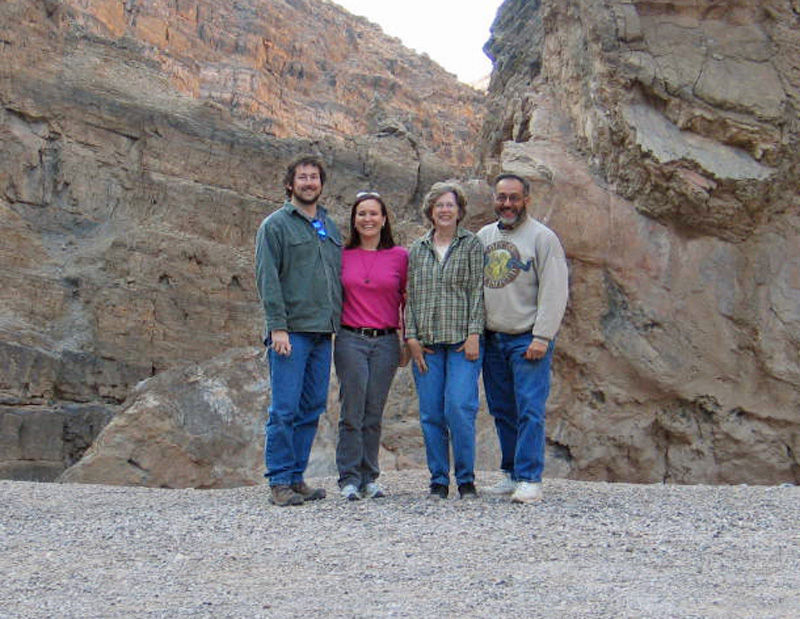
307,492
283,495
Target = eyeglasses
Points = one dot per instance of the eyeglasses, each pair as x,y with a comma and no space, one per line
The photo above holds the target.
514,198
322,233
368,194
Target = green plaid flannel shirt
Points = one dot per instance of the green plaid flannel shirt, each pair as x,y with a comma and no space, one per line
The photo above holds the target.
445,299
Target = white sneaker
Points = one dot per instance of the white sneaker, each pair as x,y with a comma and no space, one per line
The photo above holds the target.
503,487
350,492
527,492
373,490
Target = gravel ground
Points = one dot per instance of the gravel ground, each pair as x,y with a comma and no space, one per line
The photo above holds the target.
587,550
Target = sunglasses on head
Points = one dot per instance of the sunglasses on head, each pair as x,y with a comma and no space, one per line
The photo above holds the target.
368,194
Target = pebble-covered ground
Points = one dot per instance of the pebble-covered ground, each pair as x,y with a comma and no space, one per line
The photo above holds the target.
587,550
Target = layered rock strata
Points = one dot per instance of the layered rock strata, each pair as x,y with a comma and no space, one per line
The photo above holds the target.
663,141
142,143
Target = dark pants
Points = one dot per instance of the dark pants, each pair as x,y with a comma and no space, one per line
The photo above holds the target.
365,367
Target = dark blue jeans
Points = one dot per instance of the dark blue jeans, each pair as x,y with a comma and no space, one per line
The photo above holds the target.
299,395
516,392
448,406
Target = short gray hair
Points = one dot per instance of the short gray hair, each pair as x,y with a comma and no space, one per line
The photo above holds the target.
437,191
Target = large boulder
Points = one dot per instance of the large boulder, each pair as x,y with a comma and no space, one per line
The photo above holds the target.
194,427
202,426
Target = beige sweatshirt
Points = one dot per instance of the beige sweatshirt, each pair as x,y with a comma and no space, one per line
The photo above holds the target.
525,279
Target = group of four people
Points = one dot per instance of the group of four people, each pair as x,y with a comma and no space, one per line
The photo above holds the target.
456,303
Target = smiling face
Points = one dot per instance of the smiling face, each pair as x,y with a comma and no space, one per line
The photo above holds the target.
368,220
510,201
445,211
306,186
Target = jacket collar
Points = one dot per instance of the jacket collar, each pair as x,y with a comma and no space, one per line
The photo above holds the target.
428,238
322,212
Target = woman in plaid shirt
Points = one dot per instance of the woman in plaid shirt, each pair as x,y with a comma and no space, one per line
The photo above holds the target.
444,323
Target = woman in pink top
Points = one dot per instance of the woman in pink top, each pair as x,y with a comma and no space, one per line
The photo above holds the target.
368,347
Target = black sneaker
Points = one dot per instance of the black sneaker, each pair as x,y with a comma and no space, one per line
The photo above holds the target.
467,491
438,491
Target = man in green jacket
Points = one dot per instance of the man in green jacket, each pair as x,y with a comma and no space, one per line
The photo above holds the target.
298,264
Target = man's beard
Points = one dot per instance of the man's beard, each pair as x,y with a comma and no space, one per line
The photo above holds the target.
298,197
506,222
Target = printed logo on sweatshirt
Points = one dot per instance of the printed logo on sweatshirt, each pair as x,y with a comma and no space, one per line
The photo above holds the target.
502,264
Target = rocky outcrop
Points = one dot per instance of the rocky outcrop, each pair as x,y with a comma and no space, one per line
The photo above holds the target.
303,69
202,426
142,143
663,142
661,139
193,427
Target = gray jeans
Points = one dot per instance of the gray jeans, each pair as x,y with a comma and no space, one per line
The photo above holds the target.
365,367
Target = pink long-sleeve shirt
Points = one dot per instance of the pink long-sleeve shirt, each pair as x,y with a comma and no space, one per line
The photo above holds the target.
373,287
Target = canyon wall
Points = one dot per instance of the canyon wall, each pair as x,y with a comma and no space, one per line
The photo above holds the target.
143,141
141,144
662,139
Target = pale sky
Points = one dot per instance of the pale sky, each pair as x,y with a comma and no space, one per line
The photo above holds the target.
451,32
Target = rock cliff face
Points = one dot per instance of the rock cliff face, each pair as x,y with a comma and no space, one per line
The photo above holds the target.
663,141
141,144
144,141
292,69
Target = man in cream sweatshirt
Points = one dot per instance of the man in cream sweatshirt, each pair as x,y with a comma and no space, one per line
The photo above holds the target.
525,292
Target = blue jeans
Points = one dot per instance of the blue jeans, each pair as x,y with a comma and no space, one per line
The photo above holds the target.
448,406
365,367
516,392
299,395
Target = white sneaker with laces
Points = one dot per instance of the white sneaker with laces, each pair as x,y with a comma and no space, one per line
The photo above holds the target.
373,490
350,492
527,492
503,487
